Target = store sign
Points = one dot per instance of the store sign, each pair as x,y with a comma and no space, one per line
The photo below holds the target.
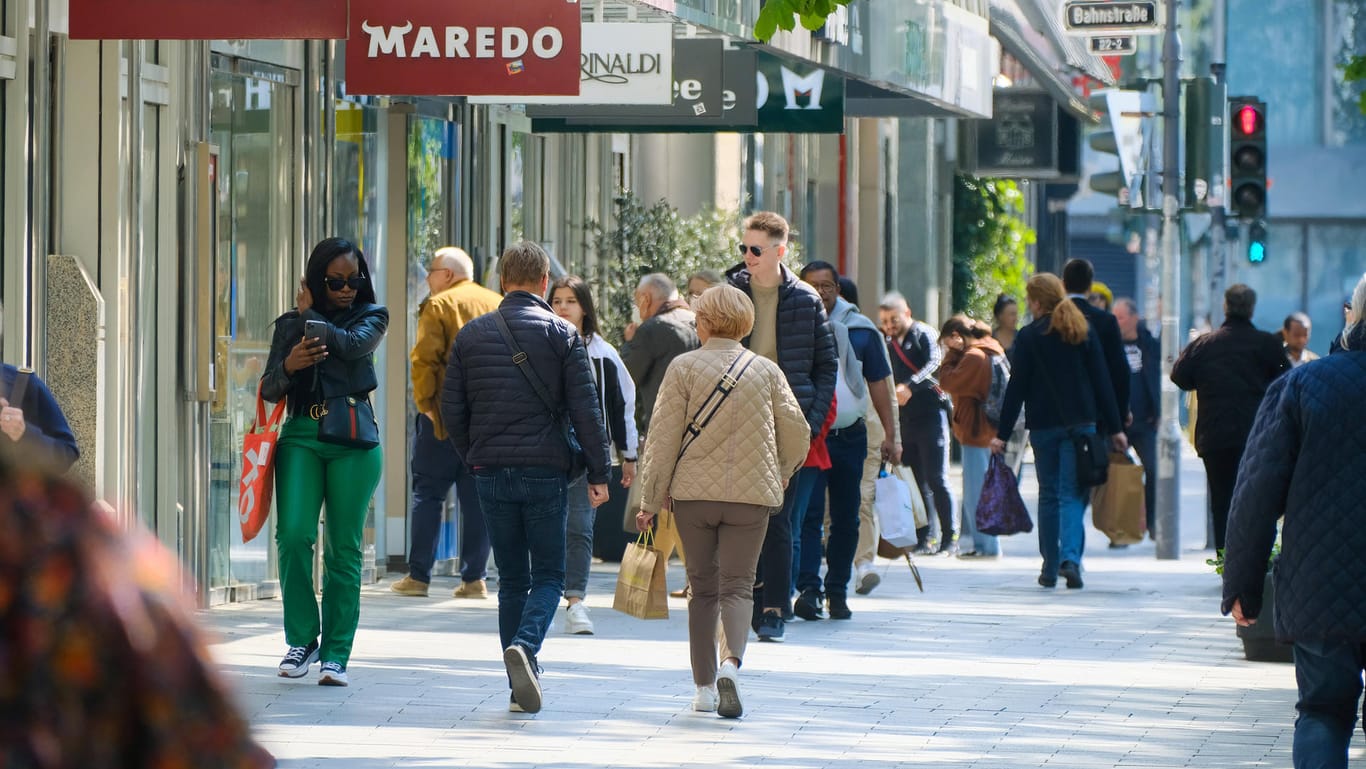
760,93
1088,17
629,63
199,20
1021,138
698,92
443,48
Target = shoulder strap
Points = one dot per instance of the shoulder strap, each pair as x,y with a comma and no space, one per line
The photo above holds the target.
520,358
714,399
902,355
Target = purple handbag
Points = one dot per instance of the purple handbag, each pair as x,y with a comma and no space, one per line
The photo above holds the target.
1001,510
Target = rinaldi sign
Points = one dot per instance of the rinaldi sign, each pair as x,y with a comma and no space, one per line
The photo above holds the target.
620,63
1090,18
463,47
201,20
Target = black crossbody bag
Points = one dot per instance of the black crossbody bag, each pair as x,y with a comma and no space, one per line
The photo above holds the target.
714,400
578,462
1092,449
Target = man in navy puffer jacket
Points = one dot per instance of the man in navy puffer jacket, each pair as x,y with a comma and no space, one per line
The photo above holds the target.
516,448
1306,460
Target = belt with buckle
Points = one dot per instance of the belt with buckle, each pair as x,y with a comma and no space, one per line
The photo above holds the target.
317,411
837,430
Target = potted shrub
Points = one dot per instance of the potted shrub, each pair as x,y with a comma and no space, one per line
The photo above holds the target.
1259,641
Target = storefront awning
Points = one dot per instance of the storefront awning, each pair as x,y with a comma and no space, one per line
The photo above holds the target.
1031,32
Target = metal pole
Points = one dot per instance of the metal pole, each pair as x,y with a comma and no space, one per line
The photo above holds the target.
1169,439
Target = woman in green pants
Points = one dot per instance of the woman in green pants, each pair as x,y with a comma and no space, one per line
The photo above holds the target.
321,362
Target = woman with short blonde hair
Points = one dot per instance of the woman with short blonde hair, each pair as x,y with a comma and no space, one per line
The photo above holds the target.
725,437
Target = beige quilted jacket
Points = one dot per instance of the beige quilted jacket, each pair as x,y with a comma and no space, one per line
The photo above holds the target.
756,441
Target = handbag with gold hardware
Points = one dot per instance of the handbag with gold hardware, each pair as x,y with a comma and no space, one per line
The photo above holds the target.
346,420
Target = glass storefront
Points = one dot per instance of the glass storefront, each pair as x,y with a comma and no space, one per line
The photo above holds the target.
257,266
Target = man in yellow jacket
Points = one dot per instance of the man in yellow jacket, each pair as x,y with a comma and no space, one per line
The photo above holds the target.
455,300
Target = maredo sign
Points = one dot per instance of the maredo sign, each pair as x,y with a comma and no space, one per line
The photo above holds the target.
464,47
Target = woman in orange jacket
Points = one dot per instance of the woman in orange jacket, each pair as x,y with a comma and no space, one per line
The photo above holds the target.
965,374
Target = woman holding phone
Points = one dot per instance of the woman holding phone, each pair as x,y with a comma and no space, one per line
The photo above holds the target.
321,361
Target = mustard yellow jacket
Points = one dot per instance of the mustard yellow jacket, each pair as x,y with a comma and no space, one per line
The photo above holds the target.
439,319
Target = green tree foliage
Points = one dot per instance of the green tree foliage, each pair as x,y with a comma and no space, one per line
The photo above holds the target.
1354,71
989,240
783,14
641,239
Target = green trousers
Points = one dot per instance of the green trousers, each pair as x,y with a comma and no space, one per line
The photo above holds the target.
309,473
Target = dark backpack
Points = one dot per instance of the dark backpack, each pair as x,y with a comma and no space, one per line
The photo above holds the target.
996,395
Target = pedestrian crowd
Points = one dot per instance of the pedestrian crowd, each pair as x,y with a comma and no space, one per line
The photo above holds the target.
752,419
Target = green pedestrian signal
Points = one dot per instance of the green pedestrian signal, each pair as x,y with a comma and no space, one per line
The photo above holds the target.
1256,242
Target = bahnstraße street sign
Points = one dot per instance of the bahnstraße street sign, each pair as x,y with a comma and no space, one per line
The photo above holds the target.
1114,45
1090,18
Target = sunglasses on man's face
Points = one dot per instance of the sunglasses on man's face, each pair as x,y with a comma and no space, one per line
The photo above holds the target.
756,250
337,284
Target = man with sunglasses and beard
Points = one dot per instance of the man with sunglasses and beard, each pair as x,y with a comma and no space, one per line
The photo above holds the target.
792,330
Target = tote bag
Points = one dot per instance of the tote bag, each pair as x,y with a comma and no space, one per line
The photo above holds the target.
640,582
256,487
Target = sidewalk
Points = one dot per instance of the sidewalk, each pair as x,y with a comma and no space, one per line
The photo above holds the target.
984,670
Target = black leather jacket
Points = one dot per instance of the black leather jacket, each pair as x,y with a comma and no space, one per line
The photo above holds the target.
349,369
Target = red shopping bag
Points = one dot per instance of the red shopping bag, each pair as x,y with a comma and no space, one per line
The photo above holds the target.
258,468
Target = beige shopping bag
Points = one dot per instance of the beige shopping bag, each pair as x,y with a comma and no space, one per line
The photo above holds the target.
640,582
1117,506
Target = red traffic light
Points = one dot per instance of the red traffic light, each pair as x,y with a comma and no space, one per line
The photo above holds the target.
1248,120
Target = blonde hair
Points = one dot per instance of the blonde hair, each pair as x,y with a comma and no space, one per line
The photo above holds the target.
726,311
774,225
1046,290
524,264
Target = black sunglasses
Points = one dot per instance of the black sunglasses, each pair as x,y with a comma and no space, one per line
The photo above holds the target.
336,284
756,250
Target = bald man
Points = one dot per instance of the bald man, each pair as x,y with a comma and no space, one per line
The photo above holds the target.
454,300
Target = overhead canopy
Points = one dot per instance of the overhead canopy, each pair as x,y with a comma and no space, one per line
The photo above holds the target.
1031,32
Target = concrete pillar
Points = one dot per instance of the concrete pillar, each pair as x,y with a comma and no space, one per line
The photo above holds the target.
868,225
918,273
75,358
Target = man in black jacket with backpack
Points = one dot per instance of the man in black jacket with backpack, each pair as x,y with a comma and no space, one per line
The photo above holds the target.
494,407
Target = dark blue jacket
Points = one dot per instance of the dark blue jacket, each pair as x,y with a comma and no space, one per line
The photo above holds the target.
1078,374
1229,369
47,437
806,343
1306,460
1111,347
492,413
1145,385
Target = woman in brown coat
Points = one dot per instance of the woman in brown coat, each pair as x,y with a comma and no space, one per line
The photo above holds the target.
724,468
965,374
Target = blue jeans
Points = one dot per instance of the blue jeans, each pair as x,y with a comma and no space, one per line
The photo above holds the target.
975,461
436,467
808,483
525,509
1329,678
578,551
1062,503
844,480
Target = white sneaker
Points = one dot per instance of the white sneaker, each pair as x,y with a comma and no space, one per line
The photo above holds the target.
333,674
728,692
576,621
867,579
705,699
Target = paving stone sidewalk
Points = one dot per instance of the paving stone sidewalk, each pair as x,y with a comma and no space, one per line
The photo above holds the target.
984,670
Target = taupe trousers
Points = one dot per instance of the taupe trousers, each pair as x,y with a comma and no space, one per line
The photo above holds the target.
867,520
723,540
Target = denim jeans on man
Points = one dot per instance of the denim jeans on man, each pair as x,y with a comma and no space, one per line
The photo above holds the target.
1062,503
808,483
844,481
1329,678
436,466
975,461
578,551
525,510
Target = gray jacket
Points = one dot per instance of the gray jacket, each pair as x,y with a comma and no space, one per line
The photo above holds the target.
670,333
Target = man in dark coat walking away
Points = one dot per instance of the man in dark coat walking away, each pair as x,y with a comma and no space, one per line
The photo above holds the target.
494,405
1306,460
1077,277
1229,369
792,330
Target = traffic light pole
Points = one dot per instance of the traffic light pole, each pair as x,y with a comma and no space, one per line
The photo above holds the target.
1168,514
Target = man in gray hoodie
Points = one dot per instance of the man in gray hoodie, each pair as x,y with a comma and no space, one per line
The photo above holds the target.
863,367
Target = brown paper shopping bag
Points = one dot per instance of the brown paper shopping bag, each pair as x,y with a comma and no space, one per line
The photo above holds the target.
1117,506
640,582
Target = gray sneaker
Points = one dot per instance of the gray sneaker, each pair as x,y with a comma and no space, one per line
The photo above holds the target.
524,675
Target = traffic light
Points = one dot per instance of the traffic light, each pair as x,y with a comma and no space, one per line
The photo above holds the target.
1256,242
1247,156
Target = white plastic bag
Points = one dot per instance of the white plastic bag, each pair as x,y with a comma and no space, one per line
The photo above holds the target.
895,510
922,515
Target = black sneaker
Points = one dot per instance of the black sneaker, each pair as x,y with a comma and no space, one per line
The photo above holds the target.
949,548
928,547
809,606
298,660
771,628
524,675
1072,573
1119,546
1046,581
838,606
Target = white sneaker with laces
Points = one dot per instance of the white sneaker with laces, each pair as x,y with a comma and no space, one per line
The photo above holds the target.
576,621
298,660
728,692
333,674
867,579
705,699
